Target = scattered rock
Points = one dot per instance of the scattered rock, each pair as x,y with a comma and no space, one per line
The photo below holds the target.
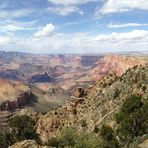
144,144
27,144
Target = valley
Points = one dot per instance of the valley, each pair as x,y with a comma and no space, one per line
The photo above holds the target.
57,91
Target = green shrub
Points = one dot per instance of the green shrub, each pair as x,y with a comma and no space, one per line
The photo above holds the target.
67,137
85,140
108,137
96,129
132,119
70,137
53,142
3,141
6,139
144,88
83,123
23,127
116,93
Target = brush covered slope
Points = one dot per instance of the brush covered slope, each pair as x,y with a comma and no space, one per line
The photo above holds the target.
95,105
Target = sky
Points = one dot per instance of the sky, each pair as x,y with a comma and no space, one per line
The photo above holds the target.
73,26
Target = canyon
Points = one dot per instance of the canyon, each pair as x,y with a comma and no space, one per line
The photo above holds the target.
66,71
44,82
59,90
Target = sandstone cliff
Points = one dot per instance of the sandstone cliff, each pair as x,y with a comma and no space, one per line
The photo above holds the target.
13,95
115,65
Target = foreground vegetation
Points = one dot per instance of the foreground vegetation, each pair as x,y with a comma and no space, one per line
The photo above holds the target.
132,124
22,128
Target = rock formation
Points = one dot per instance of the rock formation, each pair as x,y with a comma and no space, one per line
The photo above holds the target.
27,144
13,95
115,65
67,71
98,106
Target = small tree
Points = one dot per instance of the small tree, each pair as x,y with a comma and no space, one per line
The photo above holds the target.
90,140
23,127
53,142
6,139
67,137
3,141
96,129
116,93
83,123
132,119
109,139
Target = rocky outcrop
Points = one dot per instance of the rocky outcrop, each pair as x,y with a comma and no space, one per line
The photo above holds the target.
27,144
98,106
144,144
50,125
13,95
41,97
20,101
79,92
4,120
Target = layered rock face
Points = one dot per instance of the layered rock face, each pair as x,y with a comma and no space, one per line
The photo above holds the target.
13,95
67,71
42,97
115,65
20,101
17,98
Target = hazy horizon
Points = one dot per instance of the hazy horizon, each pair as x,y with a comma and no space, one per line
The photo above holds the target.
89,54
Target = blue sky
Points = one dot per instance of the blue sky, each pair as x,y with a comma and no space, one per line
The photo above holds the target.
73,26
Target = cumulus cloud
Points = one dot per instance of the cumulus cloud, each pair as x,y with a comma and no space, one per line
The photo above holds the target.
117,25
133,36
79,42
114,6
47,31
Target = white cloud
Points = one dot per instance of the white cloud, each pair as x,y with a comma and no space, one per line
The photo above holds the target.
65,10
4,41
117,25
12,26
71,2
8,19
133,36
15,13
114,6
79,42
66,7
47,31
